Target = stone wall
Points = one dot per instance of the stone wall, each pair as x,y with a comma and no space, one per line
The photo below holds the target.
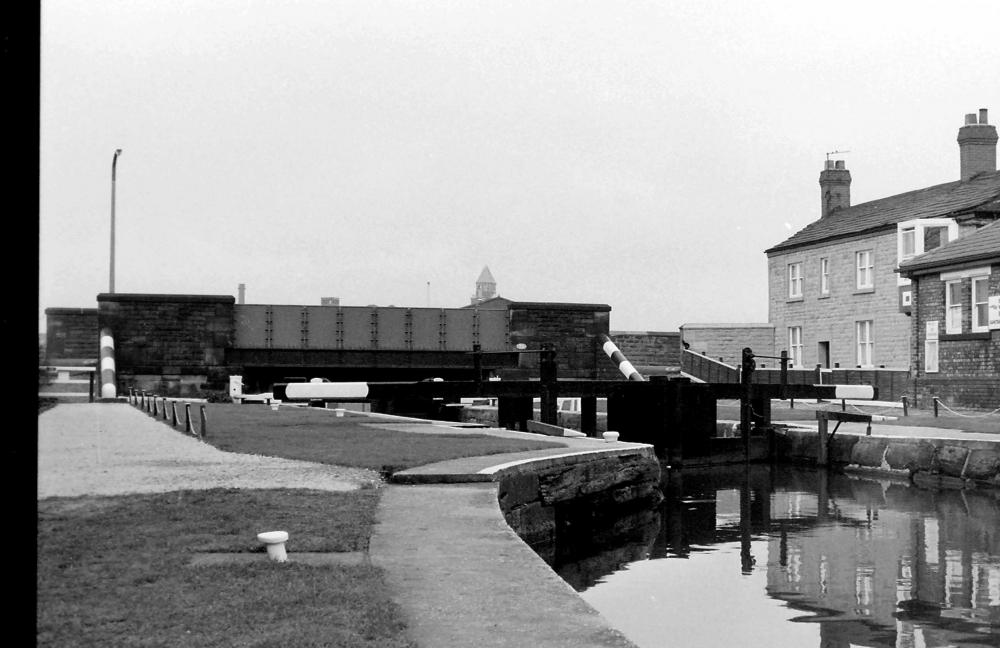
935,462
649,348
535,497
71,336
831,318
169,344
725,342
573,329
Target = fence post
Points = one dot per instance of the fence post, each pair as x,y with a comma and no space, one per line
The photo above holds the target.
905,405
165,415
204,422
843,405
935,406
91,396
819,378
156,409
173,411
188,427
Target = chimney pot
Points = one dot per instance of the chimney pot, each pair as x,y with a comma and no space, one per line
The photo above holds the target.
830,164
977,146
839,165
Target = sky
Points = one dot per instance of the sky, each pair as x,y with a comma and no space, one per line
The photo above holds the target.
637,154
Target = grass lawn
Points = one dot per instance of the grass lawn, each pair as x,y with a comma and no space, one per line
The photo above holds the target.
113,571
314,434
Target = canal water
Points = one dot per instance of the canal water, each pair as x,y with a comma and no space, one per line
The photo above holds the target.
786,557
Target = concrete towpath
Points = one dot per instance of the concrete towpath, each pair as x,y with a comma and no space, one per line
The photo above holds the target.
459,573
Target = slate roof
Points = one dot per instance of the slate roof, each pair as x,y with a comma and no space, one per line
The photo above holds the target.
981,245
931,202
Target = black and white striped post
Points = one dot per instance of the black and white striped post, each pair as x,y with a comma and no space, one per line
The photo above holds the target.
620,360
109,388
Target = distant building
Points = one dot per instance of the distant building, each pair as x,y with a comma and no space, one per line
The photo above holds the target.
834,296
486,287
329,301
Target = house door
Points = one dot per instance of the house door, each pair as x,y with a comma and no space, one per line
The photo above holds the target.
823,355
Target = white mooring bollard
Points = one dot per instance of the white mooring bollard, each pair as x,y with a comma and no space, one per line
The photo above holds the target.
275,541
610,436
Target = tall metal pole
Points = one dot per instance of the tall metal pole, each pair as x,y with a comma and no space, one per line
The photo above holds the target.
114,164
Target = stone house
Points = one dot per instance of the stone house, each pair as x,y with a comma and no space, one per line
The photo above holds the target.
956,320
834,296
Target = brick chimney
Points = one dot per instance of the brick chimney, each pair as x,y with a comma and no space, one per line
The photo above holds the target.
835,187
977,146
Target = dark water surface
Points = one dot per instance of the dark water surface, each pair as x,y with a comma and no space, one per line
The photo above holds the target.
785,557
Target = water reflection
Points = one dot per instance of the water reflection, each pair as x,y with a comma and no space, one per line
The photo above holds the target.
797,558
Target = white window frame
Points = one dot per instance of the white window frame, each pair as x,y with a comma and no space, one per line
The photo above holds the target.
865,342
981,324
919,226
952,308
795,346
824,276
865,269
904,234
795,280
931,349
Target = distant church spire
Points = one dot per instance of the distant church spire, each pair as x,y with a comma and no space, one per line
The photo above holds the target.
486,286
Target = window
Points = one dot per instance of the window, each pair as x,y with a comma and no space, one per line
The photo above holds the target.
907,242
795,346
866,266
794,280
863,334
931,348
824,276
980,304
953,306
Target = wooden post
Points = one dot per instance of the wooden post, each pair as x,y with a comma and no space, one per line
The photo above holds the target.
91,376
477,367
843,405
821,447
165,414
588,415
204,422
155,410
905,405
188,426
173,413
549,387
746,373
935,406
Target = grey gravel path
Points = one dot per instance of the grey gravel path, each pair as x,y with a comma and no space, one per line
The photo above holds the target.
115,449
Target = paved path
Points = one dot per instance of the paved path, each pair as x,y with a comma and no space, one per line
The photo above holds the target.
460,575
908,431
113,449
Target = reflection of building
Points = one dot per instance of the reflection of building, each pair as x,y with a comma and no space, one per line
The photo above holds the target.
923,569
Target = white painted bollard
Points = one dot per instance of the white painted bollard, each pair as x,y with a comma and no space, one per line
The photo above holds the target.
108,387
275,541
610,436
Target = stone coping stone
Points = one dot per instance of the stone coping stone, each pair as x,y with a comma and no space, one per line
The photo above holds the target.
492,467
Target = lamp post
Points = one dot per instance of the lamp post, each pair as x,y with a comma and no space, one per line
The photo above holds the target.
114,164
